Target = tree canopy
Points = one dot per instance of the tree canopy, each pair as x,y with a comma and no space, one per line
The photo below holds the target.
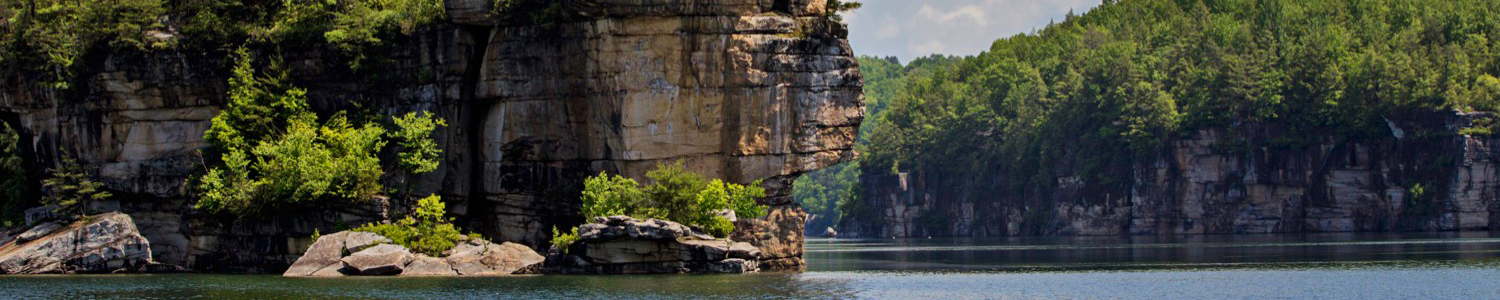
1097,92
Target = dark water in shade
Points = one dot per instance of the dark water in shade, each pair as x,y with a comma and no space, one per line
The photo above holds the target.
1313,266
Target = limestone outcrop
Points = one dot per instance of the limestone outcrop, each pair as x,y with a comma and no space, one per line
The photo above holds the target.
350,253
737,89
624,245
1240,180
97,244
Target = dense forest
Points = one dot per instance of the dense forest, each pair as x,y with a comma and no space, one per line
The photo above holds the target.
1103,90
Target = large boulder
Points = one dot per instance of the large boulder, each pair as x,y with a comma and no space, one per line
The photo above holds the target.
363,253
39,231
97,244
485,258
325,256
624,245
327,251
383,259
424,265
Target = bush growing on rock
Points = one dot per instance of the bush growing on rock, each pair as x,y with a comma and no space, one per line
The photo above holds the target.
15,194
562,240
425,231
71,189
674,194
269,151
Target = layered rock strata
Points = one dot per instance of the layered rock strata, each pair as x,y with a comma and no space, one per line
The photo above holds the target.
624,245
736,89
97,244
1423,175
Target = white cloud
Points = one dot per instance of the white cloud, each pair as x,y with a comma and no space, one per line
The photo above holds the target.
968,11
930,47
915,28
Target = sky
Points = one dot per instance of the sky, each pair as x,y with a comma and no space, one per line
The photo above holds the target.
914,28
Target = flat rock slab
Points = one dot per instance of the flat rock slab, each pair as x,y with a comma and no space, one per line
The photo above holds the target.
424,265
512,258
356,241
38,232
325,252
383,259
348,253
107,243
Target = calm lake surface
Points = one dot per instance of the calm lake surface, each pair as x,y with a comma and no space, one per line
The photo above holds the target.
1287,266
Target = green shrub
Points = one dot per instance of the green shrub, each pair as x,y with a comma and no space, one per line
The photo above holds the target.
71,189
674,194
268,150
606,195
358,25
835,7
15,193
47,37
1482,127
426,231
561,241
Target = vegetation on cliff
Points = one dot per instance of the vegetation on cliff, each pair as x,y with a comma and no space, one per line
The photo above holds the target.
15,193
269,151
48,37
71,190
674,194
425,231
1096,93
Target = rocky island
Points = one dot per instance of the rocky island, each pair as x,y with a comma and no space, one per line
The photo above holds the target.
736,90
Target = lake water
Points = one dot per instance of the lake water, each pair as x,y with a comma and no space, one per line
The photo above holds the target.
1300,266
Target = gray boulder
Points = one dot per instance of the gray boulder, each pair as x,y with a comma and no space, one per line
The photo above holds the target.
41,213
615,228
624,245
424,265
363,253
324,253
105,243
39,231
466,258
485,258
356,241
512,258
383,259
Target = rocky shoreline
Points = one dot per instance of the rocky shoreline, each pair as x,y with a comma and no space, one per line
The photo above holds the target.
111,243
610,245
350,253
105,243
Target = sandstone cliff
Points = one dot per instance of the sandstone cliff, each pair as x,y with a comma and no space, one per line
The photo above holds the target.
738,89
1248,179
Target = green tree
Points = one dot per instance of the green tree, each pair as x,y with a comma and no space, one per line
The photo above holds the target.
427,230
419,153
72,190
15,191
673,194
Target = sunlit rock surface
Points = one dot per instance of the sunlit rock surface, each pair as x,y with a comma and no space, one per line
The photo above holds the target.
97,244
740,90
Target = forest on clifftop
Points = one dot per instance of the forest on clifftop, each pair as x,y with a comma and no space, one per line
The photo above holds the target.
1102,90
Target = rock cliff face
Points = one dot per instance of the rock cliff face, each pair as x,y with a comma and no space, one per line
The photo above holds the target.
1241,180
737,89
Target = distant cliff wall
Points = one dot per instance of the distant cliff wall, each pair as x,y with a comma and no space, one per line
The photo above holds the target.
1424,176
741,90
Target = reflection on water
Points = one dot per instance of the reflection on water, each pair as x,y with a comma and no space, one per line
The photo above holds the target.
1134,252
1318,266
